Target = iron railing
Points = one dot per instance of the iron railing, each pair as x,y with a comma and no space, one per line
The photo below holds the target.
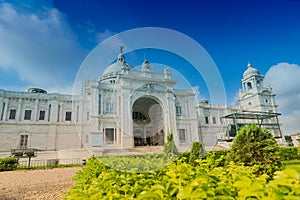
49,162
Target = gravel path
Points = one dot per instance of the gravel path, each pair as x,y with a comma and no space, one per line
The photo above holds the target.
36,184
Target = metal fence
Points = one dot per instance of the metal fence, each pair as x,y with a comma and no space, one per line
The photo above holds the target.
49,162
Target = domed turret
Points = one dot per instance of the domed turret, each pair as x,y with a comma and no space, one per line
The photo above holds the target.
36,90
254,95
146,66
250,71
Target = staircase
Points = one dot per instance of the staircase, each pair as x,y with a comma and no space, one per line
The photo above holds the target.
136,150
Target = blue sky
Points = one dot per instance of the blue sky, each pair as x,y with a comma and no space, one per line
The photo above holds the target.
43,43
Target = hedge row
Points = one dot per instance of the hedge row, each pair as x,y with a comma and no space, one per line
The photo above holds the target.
286,154
290,153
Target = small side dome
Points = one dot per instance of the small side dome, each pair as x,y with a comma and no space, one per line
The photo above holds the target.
204,101
250,71
146,66
36,90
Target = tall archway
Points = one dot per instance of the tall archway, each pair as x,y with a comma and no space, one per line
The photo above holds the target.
148,122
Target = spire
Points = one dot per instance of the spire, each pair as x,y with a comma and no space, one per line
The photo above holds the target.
121,49
249,64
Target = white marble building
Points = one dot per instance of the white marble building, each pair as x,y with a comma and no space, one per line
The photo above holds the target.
123,109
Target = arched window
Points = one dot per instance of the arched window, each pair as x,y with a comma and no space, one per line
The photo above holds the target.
249,86
178,108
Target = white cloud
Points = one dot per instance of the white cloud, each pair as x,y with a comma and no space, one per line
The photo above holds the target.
290,122
285,81
39,46
104,35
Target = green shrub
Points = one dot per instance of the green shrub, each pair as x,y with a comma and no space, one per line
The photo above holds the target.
254,146
186,155
217,158
8,164
138,163
197,152
289,153
169,146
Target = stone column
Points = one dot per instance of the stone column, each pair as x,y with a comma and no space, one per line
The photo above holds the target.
126,123
19,110
95,101
60,117
53,112
1,109
51,140
35,113
172,117
5,110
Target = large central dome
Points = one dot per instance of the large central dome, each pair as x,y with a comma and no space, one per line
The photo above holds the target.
116,68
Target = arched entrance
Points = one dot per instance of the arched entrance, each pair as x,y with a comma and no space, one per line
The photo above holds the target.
148,122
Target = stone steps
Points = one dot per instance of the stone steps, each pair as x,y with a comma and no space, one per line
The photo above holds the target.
74,153
136,150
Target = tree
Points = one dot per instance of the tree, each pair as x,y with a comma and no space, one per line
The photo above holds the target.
170,147
197,152
254,146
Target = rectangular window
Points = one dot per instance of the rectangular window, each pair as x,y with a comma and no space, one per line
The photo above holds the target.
110,135
178,111
49,112
99,105
23,141
87,116
12,114
58,113
182,136
42,115
214,120
68,116
109,108
206,120
221,120
27,115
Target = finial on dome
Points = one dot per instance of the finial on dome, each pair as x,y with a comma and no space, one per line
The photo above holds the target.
121,49
249,64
